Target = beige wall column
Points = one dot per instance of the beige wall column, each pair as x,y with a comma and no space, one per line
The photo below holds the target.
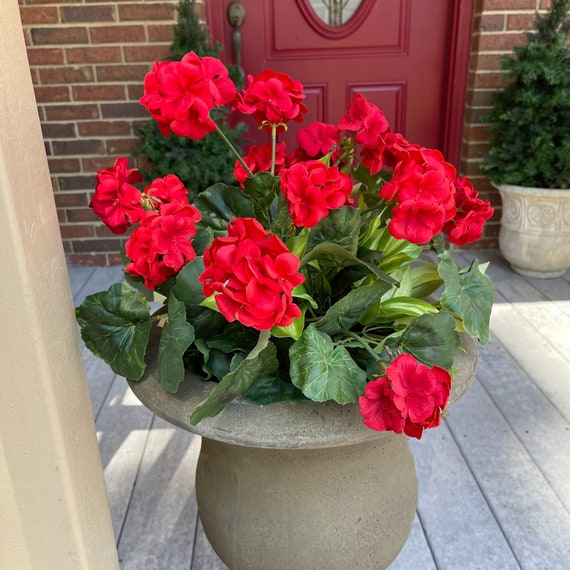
53,505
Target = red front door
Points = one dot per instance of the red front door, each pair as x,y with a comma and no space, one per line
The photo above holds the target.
394,52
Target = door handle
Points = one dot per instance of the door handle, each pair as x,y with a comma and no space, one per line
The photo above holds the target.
236,17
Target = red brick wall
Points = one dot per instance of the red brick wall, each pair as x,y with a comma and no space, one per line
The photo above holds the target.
498,25
88,59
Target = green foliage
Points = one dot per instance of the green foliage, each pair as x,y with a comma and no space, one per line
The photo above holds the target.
198,163
115,325
530,121
177,335
260,363
323,371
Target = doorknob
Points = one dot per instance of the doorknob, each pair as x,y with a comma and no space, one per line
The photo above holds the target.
236,17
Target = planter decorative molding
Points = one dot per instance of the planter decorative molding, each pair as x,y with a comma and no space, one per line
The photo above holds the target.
304,486
535,230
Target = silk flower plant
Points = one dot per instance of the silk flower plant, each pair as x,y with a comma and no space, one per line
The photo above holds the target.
322,274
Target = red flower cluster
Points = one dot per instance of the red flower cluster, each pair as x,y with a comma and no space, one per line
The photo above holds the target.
258,159
161,245
472,213
180,94
423,189
273,97
316,141
312,189
116,201
166,190
253,275
409,398
371,129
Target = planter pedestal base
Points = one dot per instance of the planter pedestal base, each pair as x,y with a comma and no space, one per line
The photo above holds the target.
308,509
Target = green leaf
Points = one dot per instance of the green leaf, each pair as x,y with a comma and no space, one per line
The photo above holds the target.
425,280
324,372
115,325
177,335
343,314
187,289
220,203
341,226
468,294
431,339
262,188
258,364
278,388
334,255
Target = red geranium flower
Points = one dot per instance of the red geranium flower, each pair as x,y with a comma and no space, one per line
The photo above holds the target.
312,189
161,245
424,191
253,275
116,201
378,409
316,140
370,129
273,97
472,213
409,398
167,190
258,159
180,94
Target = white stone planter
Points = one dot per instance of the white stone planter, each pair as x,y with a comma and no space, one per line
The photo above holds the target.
535,230
304,486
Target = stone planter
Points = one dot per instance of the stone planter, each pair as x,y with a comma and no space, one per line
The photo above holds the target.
535,230
303,486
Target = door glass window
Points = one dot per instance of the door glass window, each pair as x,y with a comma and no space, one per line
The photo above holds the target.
335,12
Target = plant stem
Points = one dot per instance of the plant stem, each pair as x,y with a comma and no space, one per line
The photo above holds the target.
364,345
234,151
273,146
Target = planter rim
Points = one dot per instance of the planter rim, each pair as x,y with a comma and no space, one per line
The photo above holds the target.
281,425
529,190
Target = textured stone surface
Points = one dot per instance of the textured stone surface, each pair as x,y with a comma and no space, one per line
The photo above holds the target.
535,230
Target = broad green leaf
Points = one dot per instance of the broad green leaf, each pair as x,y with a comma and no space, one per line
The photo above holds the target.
278,388
398,308
177,335
425,280
187,289
341,226
343,314
334,255
262,188
432,339
260,363
282,222
234,338
323,371
115,325
468,294
220,203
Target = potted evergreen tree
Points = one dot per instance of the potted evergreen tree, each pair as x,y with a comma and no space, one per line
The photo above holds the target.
529,158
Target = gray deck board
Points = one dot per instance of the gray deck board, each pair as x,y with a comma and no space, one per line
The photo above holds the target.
494,479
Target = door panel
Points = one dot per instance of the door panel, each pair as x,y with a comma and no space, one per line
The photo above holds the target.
394,52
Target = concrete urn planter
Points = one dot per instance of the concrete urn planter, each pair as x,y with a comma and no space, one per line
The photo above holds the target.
304,486
535,230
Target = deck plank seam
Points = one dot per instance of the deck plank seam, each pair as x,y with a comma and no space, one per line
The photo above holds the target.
135,481
487,500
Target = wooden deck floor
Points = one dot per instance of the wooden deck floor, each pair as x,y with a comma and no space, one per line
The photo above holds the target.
494,479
